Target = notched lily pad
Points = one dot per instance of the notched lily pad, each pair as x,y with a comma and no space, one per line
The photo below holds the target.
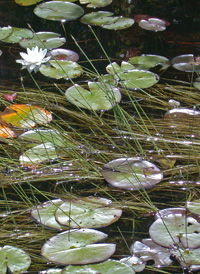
5,32
107,267
58,11
44,40
186,62
131,173
61,69
147,61
14,259
80,213
100,96
18,34
106,20
77,247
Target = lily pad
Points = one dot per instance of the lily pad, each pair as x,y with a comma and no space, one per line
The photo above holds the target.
44,40
58,11
106,20
148,250
61,69
51,271
96,3
185,116
107,267
39,154
13,258
194,206
6,132
77,247
45,214
186,62
79,214
5,32
134,262
18,34
63,54
45,136
27,2
100,97
25,116
147,61
131,173
176,229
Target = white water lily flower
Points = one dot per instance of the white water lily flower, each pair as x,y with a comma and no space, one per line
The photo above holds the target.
33,59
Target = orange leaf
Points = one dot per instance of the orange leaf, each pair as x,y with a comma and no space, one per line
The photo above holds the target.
6,132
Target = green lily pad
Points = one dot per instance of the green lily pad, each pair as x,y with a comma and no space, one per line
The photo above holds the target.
114,68
45,214
96,3
107,267
45,136
27,2
18,34
39,154
61,69
13,258
5,32
131,173
106,20
51,271
79,213
174,230
58,11
194,207
147,61
101,96
77,247
44,40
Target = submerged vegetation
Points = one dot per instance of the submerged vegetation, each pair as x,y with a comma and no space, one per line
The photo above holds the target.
99,172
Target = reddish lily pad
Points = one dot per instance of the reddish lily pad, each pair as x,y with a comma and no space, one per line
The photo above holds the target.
63,54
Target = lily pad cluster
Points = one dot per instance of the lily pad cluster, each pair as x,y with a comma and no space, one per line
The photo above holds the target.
174,232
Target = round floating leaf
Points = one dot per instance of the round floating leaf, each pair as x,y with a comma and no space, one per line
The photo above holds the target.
39,154
45,136
176,229
107,267
6,132
131,173
101,96
58,11
134,262
194,207
96,3
61,69
79,214
51,271
147,61
25,116
148,250
114,68
77,247
63,54
104,19
5,32
44,40
27,2
185,116
13,258
45,214
18,34
196,83
186,62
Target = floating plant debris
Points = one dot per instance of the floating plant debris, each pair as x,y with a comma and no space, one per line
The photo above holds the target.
77,247
14,259
25,116
63,54
100,96
58,11
131,173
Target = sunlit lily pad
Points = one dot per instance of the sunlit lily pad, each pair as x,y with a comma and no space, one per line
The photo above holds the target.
61,69
45,214
148,250
176,229
131,173
45,136
18,34
63,54
27,2
14,259
6,132
25,116
194,206
196,83
58,11
39,154
5,32
134,262
114,68
96,3
186,62
147,61
106,20
51,271
77,247
44,40
185,116
100,96
79,214
107,267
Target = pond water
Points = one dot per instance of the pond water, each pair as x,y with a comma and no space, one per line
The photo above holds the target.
92,141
